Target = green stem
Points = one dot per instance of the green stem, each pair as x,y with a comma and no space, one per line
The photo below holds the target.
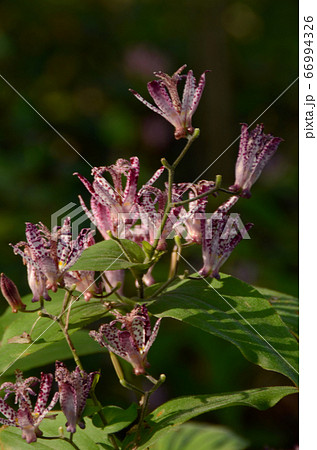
126,254
120,375
184,151
140,288
162,288
131,387
175,257
30,310
145,401
33,326
228,192
69,440
204,194
71,346
104,277
113,290
171,171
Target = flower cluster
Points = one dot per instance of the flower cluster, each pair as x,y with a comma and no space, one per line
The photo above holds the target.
26,417
148,215
73,388
50,254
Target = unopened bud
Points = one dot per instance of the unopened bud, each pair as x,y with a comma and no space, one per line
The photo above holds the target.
11,294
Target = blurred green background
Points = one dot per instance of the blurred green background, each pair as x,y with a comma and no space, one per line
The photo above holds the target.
74,62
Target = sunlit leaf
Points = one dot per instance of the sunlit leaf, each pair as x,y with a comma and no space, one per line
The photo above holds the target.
236,312
286,305
177,411
107,255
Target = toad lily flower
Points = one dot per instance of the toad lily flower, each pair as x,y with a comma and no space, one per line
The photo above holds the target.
74,389
112,204
152,204
256,149
114,208
21,388
84,280
11,294
49,255
165,95
27,418
219,238
133,341
191,219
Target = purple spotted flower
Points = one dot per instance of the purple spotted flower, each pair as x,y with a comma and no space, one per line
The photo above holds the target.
191,218
48,255
74,389
151,206
220,235
11,294
27,418
256,148
168,104
133,341
84,280
21,388
114,208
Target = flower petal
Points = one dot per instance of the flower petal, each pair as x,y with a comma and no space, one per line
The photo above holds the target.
44,392
163,101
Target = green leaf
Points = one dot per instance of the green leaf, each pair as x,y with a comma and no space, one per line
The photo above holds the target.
147,248
117,418
236,312
49,342
286,306
177,411
107,255
46,353
198,436
91,437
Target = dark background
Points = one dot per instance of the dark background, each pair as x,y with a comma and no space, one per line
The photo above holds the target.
74,62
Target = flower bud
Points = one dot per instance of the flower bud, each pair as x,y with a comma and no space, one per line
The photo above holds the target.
11,294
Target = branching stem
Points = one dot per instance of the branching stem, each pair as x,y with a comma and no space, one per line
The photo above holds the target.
171,171
63,438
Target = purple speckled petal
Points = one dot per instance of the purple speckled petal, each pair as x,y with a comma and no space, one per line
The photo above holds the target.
198,93
153,336
146,103
86,183
36,241
129,196
7,411
156,175
47,410
163,101
188,96
44,392
133,356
